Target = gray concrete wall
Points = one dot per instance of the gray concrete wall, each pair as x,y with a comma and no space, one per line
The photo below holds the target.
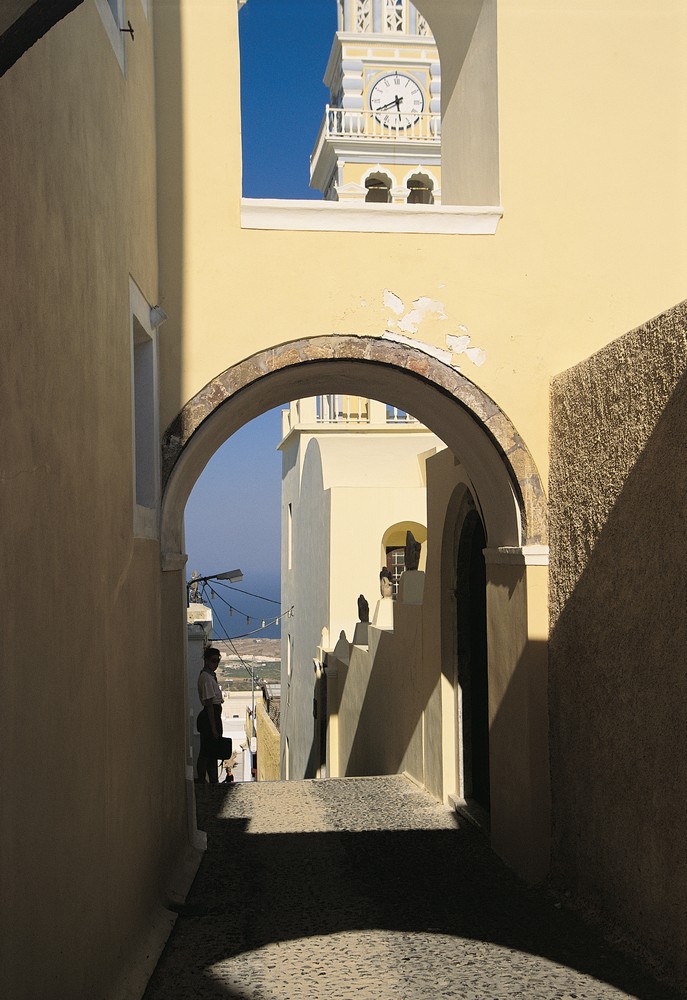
618,684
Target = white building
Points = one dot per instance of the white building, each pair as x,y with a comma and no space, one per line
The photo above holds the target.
353,484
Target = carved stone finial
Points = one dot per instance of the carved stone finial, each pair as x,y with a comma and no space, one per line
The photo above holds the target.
363,609
412,551
385,583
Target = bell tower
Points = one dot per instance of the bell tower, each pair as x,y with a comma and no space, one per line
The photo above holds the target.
380,139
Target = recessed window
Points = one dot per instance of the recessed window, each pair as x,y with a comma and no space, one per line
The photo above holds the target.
420,190
378,188
145,419
396,564
112,15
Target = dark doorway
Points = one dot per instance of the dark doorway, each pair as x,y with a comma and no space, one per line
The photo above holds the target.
471,599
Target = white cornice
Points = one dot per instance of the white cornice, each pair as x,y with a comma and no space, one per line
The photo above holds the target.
392,39
329,151
374,40
352,430
527,555
342,217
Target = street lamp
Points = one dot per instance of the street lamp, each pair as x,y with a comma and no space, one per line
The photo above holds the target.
232,575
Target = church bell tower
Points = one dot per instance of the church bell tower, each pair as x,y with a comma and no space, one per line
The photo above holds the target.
380,139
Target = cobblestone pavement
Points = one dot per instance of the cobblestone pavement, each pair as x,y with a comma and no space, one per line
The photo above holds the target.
367,888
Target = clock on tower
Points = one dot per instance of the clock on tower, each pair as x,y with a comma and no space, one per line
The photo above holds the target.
380,139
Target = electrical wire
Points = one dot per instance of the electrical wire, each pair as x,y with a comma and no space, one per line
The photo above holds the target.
244,635
207,587
259,596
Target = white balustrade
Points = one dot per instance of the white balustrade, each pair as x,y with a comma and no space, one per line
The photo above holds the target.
399,126
342,409
337,409
396,416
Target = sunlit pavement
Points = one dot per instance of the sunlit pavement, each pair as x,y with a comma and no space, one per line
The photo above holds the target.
366,887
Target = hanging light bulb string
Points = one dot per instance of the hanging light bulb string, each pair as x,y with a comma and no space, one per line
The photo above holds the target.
267,624
229,638
208,591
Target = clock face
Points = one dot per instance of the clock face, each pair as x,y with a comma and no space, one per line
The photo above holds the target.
396,100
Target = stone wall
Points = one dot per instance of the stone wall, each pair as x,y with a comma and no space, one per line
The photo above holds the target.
268,745
618,685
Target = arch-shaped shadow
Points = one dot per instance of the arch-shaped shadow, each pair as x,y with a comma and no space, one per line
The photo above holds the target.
401,909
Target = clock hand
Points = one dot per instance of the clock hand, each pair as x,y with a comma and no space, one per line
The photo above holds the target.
385,107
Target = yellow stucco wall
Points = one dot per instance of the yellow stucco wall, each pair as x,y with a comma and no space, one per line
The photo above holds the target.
377,700
591,244
592,240
577,259
93,808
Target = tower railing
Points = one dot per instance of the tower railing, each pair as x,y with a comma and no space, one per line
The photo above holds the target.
341,409
398,125
337,410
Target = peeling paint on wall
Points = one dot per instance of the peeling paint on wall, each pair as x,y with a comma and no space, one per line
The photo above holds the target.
458,344
393,302
477,355
410,321
435,352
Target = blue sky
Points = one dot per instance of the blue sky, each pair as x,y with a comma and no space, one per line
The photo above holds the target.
233,513
285,46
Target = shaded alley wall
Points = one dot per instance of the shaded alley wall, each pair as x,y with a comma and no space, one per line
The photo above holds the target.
618,686
93,813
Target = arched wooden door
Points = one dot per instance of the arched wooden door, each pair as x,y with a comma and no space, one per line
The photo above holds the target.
471,610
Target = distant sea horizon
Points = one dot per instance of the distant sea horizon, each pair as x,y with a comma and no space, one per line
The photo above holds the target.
228,624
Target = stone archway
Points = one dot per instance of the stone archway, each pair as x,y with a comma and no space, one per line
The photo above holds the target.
452,406
497,468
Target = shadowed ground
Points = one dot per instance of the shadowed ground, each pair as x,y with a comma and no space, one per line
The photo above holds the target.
366,887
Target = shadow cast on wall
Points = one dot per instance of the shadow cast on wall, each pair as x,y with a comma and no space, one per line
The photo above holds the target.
383,694
618,683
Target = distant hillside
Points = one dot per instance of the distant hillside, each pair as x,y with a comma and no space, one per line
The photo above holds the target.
261,656
258,648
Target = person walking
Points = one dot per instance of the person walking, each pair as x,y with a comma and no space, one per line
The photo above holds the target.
209,722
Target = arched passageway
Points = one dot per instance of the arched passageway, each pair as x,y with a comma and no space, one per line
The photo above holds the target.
454,408
499,472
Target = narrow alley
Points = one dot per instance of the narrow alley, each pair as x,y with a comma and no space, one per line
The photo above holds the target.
368,888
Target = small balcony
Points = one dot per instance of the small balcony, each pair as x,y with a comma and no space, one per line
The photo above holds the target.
346,133
341,123
342,412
